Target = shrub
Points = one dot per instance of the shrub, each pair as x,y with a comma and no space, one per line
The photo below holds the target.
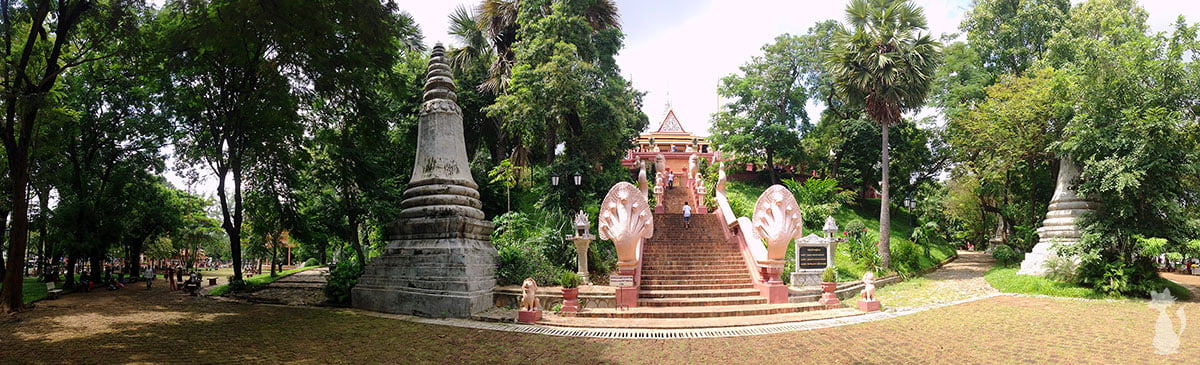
906,257
1062,269
1005,255
862,248
310,263
531,247
569,280
818,198
856,228
830,275
341,280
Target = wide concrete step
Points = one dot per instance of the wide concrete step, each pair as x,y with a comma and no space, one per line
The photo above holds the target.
692,252
673,287
732,270
680,323
701,312
744,279
695,256
685,236
672,263
689,246
701,302
702,293
734,276
692,266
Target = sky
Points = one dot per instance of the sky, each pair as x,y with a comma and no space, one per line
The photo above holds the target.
677,50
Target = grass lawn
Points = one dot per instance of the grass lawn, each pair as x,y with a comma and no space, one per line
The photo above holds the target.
257,280
33,289
1005,279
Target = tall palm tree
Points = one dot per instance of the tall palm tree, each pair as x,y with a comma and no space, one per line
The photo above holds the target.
883,63
468,30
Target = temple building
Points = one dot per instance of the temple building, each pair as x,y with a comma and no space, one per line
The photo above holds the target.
675,144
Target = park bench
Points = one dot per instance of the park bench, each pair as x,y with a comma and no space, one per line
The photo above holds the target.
52,292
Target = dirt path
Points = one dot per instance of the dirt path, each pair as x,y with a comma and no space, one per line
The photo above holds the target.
958,280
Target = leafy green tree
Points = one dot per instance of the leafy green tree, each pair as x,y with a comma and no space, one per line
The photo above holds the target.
195,231
501,20
1134,132
1013,128
884,64
566,87
237,70
1010,35
766,113
1006,39
361,151
43,40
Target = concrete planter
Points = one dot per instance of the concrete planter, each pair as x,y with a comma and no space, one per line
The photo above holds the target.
570,300
828,298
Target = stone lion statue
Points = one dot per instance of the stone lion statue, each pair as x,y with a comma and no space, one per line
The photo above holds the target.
529,300
868,286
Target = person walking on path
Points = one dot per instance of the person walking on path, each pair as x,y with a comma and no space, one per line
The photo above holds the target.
687,215
149,276
170,274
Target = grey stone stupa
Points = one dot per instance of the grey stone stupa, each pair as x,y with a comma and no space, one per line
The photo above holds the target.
1062,220
439,261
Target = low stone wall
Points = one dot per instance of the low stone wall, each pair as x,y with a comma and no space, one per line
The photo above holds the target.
851,289
590,296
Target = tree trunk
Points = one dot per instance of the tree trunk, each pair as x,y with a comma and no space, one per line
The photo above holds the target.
274,254
885,217
324,250
97,273
11,295
771,165
70,275
354,242
3,223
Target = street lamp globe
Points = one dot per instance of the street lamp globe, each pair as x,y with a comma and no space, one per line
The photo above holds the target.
554,179
578,179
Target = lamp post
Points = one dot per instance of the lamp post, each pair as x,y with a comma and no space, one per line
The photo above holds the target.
830,229
582,240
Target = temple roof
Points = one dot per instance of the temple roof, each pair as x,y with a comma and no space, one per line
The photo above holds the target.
670,124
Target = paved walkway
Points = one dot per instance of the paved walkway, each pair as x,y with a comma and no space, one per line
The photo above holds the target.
302,288
1191,282
959,280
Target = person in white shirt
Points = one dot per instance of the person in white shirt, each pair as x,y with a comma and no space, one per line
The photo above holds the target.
687,215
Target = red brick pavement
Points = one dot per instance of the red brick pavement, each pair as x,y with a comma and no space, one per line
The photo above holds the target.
159,327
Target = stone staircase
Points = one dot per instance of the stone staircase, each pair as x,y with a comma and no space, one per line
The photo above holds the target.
694,273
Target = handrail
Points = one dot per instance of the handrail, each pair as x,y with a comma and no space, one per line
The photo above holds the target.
637,272
735,230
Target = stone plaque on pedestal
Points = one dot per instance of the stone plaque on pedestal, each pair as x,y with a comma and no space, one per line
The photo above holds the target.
812,257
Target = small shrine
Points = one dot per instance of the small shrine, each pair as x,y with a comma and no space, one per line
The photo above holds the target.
671,141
